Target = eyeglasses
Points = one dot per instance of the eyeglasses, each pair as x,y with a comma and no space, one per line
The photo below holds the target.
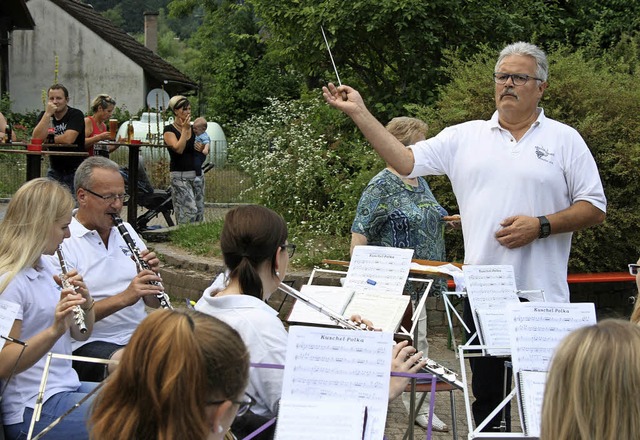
110,198
519,79
243,405
291,249
633,269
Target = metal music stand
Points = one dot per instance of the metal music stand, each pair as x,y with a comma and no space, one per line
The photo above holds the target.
450,310
43,383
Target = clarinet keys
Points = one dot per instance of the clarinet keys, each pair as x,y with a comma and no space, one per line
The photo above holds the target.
141,264
442,372
78,313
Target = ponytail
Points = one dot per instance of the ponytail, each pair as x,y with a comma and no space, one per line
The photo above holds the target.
251,236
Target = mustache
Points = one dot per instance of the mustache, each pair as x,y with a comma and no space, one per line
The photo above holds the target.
509,92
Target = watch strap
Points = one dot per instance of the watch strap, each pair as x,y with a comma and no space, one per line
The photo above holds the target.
545,227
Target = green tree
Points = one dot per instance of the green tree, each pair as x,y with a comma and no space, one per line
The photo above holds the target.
392,50
237,73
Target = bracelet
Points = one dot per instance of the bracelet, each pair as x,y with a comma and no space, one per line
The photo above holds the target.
93,303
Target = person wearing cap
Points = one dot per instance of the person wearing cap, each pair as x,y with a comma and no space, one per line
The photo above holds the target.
187,181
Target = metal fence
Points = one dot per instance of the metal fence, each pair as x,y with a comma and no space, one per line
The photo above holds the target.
224,183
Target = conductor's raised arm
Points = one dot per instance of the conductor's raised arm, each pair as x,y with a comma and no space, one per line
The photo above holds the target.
385,144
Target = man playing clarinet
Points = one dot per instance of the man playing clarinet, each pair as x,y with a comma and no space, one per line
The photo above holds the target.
98,251
523,183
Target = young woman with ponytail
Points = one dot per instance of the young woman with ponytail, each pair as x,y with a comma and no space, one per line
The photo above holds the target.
182,375
256,253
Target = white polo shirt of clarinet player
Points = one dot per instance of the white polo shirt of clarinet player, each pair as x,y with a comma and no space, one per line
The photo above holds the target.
107,272
495,177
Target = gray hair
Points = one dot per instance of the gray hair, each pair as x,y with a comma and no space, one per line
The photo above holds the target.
82,178
527,49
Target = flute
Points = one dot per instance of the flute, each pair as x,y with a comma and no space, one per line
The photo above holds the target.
335,317
78,313
432,366
442,372
140,262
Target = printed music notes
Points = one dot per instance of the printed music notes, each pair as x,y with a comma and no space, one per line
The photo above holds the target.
490,286
333,298
335,365
536,329
531,394
490,289
384,309
330,420
378,268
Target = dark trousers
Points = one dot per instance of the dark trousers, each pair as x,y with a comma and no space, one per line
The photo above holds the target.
487,382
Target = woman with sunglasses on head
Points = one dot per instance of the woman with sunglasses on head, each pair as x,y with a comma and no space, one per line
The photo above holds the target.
182,376
95,127
187,181
35,224
256,253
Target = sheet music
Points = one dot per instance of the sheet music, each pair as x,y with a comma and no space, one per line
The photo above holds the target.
325,364
378,268
334,298
493,331
490,288
8,312
531,386
536,329
446,269
384,310
328,420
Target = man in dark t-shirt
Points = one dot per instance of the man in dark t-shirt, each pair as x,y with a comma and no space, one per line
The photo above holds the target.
68,123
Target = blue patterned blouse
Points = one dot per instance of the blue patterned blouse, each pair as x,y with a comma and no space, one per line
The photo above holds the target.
393,213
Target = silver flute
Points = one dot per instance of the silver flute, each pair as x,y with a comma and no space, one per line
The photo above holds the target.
78,313
443,373
432,366
335,317
140,262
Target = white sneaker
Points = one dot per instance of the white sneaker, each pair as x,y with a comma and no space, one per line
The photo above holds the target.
437,425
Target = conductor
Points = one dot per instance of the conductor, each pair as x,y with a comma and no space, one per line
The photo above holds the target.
523,183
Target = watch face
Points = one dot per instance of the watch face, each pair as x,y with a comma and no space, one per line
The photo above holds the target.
545,227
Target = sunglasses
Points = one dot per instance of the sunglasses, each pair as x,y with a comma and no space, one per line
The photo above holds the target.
633,269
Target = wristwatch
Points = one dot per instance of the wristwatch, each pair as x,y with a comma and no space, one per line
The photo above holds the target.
545,227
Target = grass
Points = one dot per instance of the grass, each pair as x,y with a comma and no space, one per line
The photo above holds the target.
201,239
204,240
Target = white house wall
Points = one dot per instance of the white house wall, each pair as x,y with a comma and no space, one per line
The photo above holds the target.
87,64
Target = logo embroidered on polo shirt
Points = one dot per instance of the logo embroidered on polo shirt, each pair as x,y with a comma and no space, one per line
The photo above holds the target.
544,154
125,250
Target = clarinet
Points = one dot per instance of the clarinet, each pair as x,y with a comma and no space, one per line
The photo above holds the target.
78,313
140,263
335,317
